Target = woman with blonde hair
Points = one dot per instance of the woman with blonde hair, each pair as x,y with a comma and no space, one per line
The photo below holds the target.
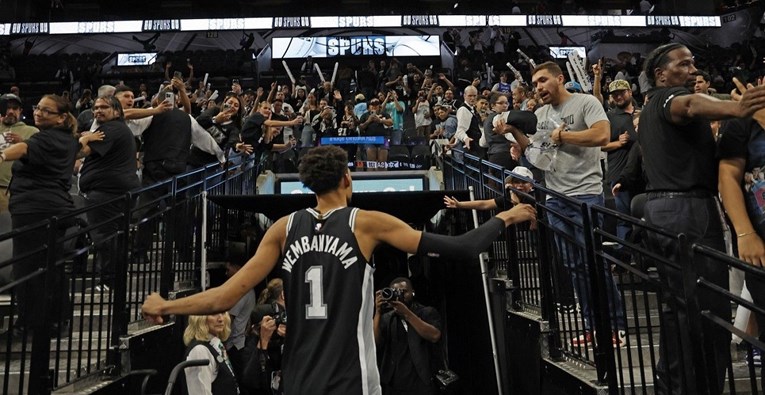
204,338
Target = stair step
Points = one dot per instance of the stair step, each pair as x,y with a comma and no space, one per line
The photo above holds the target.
15,376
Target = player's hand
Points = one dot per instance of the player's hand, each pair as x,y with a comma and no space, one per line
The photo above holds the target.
519,213
616,189
152,308
451,202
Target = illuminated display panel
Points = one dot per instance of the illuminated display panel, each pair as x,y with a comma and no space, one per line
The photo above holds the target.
324,47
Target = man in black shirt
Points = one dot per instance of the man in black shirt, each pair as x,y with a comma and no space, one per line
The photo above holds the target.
679,157
260,130
622,137
406,335
109,171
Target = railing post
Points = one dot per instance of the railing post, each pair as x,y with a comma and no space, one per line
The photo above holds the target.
41,376
513,262
121,312
166,276
547,299
694,365
203,235
597,271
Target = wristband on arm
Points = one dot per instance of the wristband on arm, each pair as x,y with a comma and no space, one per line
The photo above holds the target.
464,246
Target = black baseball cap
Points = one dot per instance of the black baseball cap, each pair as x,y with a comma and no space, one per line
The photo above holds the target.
11,97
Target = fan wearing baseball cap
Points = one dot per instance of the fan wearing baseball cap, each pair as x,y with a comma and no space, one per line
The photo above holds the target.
521,179
12,131
622,137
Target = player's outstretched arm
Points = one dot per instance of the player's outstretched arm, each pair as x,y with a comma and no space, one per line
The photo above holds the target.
376,227
222,298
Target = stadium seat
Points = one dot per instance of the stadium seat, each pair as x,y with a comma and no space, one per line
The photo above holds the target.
398,157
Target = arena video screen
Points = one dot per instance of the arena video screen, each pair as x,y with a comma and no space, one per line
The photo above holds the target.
360,185
328,47
136,59
562,52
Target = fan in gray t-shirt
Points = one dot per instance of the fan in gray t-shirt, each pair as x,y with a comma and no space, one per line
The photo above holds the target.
576,170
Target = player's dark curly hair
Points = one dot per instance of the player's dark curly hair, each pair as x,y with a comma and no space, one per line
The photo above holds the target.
322,168
657,59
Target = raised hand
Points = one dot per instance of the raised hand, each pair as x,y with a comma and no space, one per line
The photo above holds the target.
451,202
597,69
752,98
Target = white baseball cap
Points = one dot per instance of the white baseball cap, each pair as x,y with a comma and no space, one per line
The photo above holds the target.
521,171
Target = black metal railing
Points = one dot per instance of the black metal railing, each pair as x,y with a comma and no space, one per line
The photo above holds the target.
643,308
74,295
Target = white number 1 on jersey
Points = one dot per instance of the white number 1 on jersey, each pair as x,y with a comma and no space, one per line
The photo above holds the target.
316,309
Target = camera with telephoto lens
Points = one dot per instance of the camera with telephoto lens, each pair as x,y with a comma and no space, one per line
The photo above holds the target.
392,295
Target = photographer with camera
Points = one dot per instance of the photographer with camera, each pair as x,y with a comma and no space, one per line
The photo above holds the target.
405,336
262,370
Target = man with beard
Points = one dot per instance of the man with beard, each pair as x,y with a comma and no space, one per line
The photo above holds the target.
703,84
108,172
579,126
679,159
330,348
622,137
13,131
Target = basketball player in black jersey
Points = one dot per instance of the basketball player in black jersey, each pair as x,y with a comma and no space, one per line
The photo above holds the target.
323,255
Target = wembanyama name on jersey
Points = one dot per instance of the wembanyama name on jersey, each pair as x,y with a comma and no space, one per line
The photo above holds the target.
319,243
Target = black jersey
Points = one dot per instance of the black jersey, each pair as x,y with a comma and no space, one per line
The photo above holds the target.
330,346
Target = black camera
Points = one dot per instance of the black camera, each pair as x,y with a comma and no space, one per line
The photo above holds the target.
3,106
392,295
280,317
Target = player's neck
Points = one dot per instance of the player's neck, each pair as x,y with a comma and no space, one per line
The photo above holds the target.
330,201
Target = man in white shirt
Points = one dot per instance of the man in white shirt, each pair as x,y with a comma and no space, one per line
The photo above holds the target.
469,123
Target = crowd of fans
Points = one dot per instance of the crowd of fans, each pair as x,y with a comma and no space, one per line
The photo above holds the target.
130,136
